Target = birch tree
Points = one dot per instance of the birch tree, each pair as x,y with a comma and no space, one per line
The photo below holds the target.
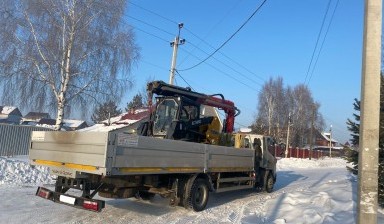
64,55
275,104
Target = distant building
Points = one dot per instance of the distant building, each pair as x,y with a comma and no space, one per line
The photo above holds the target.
10,115
324,139
68,125
127,121
74,125
34,117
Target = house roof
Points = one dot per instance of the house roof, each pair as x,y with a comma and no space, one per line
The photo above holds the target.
47,121
327,135
7,109
36,115
135,115
120,121
72,123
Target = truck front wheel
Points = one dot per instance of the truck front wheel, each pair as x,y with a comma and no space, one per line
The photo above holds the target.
198,195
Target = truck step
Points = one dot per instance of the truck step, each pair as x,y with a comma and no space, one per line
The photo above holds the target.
233,188
234,179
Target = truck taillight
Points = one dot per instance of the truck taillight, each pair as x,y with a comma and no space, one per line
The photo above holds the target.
44,193
91,205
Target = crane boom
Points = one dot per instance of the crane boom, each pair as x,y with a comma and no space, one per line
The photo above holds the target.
168,90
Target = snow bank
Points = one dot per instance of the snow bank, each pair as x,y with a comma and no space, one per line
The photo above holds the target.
16,171
290,163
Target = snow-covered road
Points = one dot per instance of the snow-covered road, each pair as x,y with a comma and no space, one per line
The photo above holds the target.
306,191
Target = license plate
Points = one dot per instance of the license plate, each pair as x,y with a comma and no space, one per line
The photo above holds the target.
66,199
63,172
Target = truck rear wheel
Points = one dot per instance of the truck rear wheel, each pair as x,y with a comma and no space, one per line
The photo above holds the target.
268,182
198,195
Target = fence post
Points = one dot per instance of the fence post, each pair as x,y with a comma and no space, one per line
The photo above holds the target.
297,152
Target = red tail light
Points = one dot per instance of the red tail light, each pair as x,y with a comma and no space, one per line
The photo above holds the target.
43,193
91,205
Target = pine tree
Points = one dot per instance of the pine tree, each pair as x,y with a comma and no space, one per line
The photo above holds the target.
354,127
105,111
351,153
136,102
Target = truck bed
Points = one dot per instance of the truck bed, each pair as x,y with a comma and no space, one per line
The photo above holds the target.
118,153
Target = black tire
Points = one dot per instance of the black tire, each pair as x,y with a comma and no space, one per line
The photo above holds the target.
198,195
146,196
268,182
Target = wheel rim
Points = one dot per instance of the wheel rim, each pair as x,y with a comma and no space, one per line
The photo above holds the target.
270,182
200,195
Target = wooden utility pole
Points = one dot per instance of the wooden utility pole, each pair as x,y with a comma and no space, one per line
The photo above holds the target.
287,145
370,114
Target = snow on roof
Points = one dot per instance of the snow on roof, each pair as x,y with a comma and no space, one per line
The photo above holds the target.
7,109
72,123
326,136
123,120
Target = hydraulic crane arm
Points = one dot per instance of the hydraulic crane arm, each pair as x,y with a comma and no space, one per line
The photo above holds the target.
164,89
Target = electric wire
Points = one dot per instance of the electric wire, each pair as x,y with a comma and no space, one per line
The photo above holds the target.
322,44
210,31
218,111
151,34
222,45
317,40
148,24
152,12
201,39
229,67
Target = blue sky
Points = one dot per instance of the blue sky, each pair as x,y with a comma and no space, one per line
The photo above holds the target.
278,41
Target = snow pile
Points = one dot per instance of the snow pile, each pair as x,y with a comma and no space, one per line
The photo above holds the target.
17,171
290,163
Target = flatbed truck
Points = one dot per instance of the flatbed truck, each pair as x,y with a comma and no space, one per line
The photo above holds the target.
174,154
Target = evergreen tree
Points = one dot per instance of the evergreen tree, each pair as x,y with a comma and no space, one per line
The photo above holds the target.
105,111
351,153
354,127
136,102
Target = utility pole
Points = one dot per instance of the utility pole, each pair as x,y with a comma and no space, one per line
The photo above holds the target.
175,44
370,114
287,145
311,133
330,141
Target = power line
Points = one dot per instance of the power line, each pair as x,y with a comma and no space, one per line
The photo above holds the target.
222,45
151,34
189,53
221,113
226,65
154,13
322,44
229,75
148,24
210,30
185,80
317,41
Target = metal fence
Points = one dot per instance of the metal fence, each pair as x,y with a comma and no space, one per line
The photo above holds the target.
14,139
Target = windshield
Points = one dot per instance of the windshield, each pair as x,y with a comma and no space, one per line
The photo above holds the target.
166,112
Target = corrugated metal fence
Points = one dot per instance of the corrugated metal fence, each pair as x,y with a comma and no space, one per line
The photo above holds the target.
14,139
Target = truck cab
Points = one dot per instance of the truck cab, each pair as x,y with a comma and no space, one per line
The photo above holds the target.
263,147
